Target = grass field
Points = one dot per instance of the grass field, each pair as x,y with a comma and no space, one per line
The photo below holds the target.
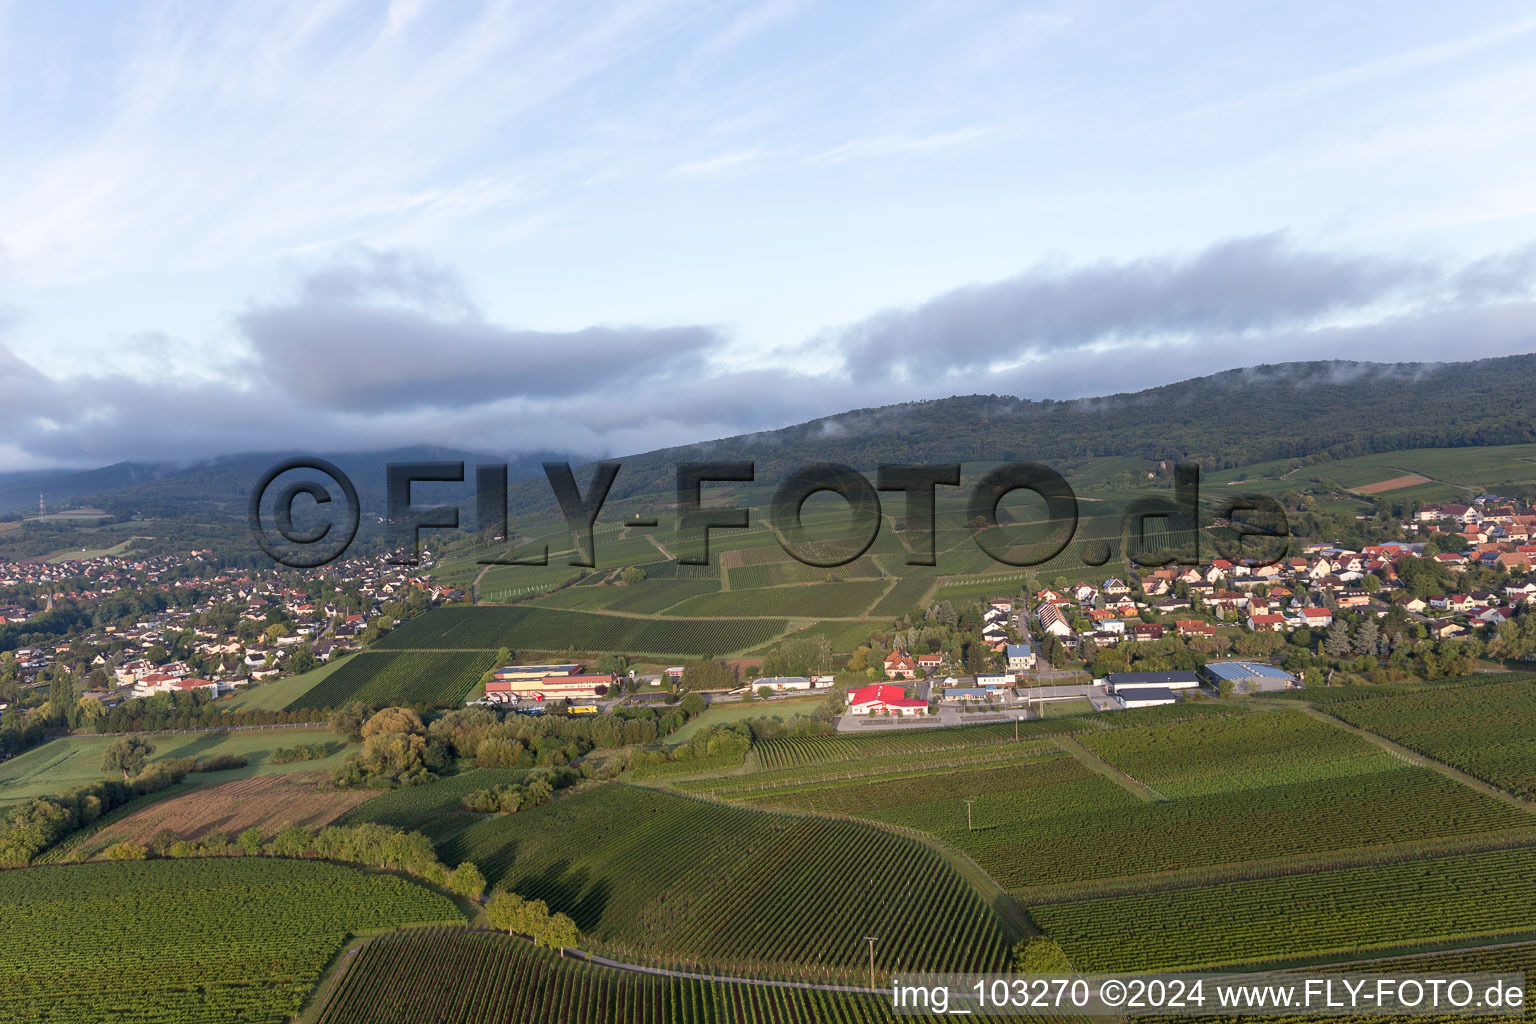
190,940
75,760
278,694
740,711
435,808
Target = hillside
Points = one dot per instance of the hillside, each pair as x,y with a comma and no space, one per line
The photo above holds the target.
1230,419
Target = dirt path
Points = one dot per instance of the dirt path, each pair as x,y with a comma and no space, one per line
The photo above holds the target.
1094,763
1454,774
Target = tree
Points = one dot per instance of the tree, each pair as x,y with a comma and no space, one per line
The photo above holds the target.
347,721
466,881
250,841
128,755
631,575
504,910
91,710
1224,688
692,704
560,933
1337,643
394,721
1367,636
765,691
125,851
162,841
1370,583
1040,955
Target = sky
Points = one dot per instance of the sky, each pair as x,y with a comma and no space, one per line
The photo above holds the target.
603,228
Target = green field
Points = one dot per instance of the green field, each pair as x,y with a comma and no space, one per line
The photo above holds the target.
191,940
523,628
449,975
75,760
739,711
280,693
388,678
650,876
435,808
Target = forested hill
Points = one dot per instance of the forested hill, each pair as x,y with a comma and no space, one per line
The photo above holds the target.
1282,410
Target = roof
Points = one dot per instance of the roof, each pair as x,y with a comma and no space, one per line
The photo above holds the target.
1122,679
1130,693
1236,670
1020,650
885,693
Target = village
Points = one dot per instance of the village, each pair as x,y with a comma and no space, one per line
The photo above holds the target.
206,630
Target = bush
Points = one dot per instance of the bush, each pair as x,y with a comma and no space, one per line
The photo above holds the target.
125,851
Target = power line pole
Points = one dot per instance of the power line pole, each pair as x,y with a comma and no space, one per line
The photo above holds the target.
871,939
968,801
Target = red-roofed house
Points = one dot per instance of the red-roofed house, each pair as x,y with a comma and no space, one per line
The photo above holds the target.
1316,618
899,665
881,698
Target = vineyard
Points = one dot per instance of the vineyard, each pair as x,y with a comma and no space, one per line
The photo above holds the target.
169,941
1502,960
386,678
525,628
817,600
1196,758
813,751
646,875
1376,907
450,975
1227,791
904,596
1485,730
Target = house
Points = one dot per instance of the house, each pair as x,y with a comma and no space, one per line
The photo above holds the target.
1021,657
1114,588
884,698
930,662
1409,602
190,685
1266,622
900,665
1147,631
1195,627
1052,622
1521,592
1316,618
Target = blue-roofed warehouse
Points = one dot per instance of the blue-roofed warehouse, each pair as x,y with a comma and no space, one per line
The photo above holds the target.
1251,676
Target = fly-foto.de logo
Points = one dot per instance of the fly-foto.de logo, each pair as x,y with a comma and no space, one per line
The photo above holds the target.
331,520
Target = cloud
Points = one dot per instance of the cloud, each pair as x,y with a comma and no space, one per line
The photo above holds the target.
1249,295
386,348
